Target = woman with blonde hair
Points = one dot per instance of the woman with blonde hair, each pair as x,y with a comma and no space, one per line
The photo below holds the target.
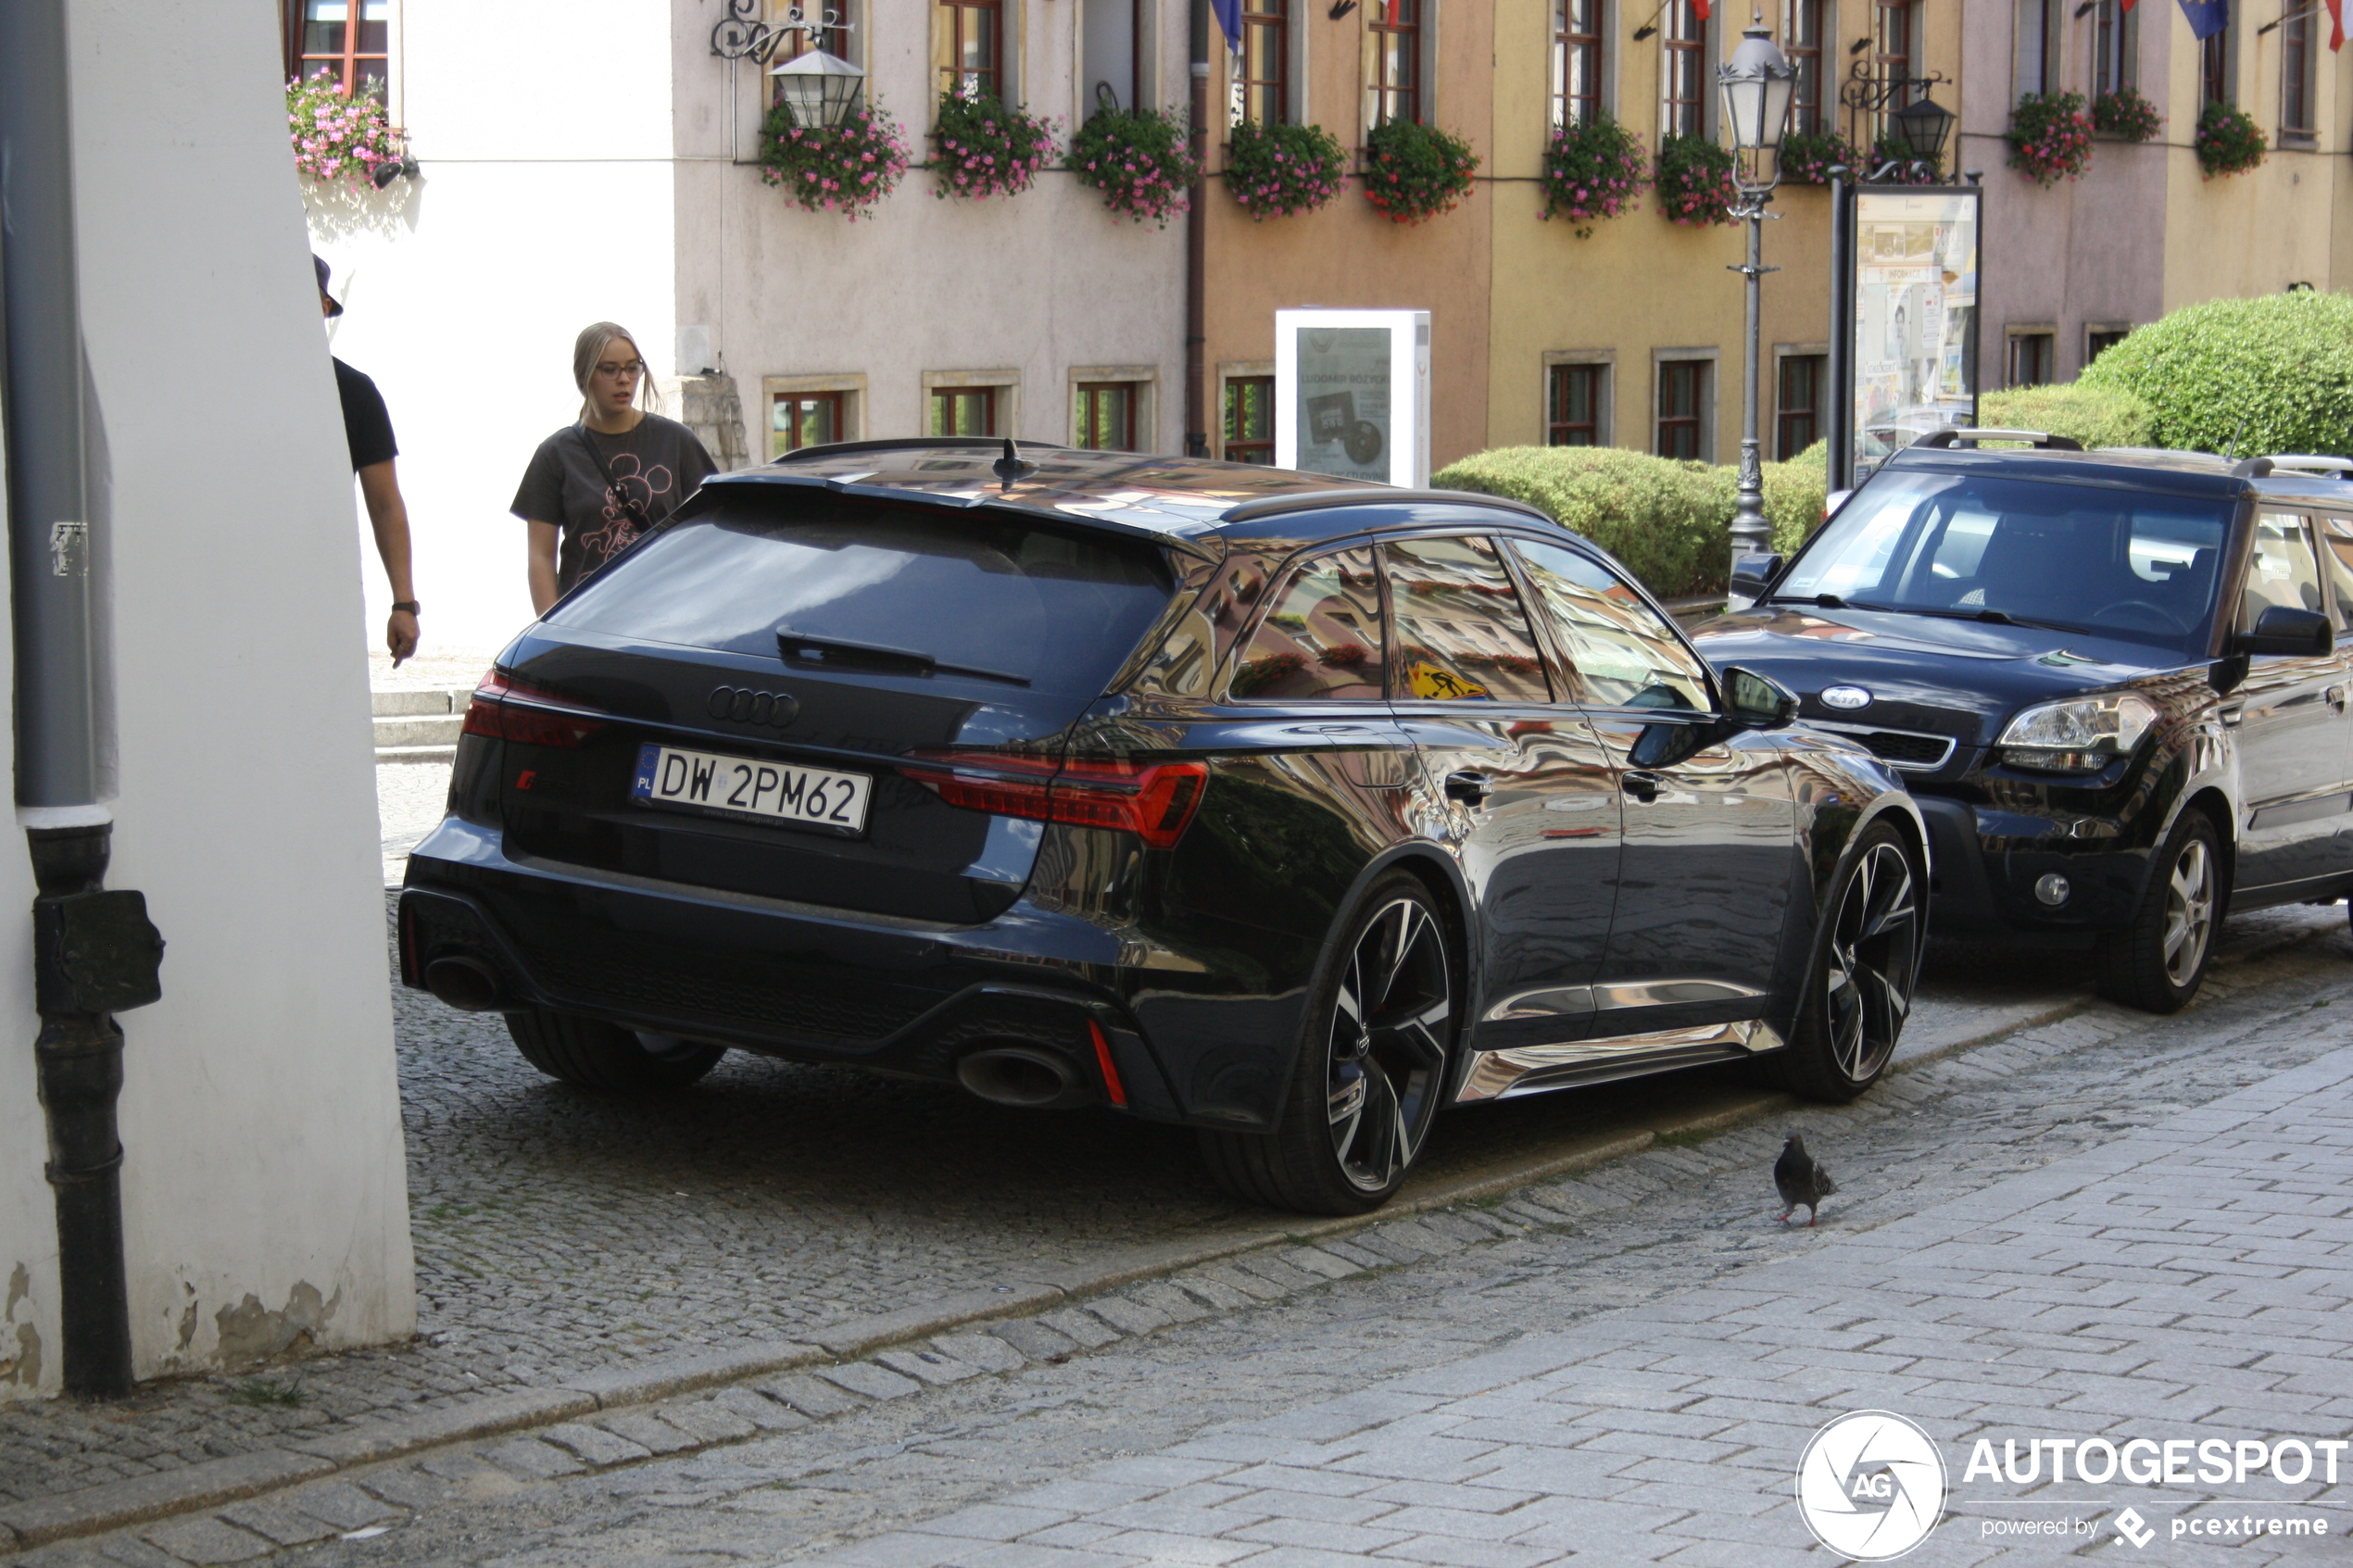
595,486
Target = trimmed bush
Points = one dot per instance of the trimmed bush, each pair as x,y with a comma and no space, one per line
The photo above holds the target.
2097,416
1668,520
2269,374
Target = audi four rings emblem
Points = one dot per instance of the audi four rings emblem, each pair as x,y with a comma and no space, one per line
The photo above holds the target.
747,707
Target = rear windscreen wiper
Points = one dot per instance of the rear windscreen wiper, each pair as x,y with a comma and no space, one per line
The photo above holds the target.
798,647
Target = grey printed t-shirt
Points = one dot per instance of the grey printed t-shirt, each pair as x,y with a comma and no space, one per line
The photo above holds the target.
659,464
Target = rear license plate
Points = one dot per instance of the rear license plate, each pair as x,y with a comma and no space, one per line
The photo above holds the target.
739,786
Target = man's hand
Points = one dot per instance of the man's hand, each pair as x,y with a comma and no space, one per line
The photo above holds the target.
400,636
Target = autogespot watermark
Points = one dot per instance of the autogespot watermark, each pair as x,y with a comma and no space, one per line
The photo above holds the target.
1872,1485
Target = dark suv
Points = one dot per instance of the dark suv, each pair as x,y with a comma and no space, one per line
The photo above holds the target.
1204,792
2116,683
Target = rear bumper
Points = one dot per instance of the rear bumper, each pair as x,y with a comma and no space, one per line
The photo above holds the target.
1984,887
793,980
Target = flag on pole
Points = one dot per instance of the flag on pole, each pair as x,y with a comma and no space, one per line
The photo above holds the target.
2336,23
1229,20
1698,8
2206,17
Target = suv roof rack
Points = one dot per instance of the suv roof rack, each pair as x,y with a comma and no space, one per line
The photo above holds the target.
1952,435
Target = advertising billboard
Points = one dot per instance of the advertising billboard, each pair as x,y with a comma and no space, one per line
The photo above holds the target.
1351,393
1915,293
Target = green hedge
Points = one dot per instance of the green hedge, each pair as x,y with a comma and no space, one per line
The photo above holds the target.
2097,416
1669,521
2249,376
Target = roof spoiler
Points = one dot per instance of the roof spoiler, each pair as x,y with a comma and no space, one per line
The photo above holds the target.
2307,462
1954,435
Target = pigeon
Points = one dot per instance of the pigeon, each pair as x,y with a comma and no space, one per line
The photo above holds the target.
1801,1180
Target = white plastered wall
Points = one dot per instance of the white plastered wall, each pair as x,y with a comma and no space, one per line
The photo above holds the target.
546,203
264,1186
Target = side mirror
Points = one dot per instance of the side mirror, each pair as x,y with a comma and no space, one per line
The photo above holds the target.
1759,702
1752,575
2296,634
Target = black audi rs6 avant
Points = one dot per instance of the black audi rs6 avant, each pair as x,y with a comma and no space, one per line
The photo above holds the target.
1203,792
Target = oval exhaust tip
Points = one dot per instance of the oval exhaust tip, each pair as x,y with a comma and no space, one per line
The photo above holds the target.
1032,1080
464,984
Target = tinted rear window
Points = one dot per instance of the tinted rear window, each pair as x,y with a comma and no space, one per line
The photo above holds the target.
1060,608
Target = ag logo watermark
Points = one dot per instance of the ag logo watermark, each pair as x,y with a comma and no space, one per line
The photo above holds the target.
1870,1486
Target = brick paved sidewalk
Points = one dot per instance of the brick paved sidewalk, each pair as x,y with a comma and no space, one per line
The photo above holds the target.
2185,1283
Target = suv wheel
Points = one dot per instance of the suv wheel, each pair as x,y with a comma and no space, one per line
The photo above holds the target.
1866,962
1371,1068
2158,960
595,1055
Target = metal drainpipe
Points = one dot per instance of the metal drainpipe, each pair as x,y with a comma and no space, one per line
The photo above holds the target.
1197,251
94,951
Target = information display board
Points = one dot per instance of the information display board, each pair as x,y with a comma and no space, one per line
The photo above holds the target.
1915,293
1351,393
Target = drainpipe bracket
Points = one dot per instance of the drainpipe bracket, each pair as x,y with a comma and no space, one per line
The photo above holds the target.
96,952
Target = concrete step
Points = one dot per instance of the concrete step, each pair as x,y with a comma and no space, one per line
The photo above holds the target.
403,703
415,754
421,729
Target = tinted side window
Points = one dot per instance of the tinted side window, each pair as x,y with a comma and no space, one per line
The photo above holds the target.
2337,562
1321,637
1625,654
2281,571
1461,632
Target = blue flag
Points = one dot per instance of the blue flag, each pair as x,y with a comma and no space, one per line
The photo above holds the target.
1229,17
2206,17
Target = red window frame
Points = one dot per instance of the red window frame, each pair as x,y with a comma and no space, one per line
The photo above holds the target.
827,406
302,62
1682,402
1250,418
1396,29
1104,414
1261,74
1895,51
1803,30
2295,72
947,411
1574,408
1578,45
1797,412
1684,113
2214,68
981,22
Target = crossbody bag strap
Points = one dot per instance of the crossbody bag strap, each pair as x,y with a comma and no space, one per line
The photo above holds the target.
613,486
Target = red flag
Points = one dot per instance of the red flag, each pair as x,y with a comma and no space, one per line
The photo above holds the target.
2336,23
1699,7
2128,5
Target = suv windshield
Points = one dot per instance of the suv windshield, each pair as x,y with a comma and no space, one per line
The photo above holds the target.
1056,610
2079,557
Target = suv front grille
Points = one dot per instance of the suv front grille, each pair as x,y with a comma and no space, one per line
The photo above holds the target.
1906,750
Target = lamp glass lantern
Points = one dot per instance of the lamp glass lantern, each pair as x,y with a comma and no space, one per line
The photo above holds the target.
1923,123
1757,83
819,88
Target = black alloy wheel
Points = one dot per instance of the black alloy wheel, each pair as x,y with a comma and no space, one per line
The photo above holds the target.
2158,962
594,1055
1371,1068
1867,961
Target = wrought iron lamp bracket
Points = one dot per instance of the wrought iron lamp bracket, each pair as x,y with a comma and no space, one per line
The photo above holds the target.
741,34
1865,93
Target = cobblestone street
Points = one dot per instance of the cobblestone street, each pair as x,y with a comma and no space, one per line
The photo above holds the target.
2097,1226
552,1240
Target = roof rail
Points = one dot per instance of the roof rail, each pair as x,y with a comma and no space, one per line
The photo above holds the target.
2312,462
1952,435
904,443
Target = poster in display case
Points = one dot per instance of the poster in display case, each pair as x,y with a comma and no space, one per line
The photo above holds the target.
1914,292
1351,393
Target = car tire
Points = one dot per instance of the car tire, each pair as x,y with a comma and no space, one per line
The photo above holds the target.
591,1054
1858,987
2157,961
1371,1070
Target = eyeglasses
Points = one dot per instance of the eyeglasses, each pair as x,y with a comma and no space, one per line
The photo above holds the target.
630,371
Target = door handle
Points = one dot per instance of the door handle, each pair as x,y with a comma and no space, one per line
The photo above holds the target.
1469,786
1642,787
2335,696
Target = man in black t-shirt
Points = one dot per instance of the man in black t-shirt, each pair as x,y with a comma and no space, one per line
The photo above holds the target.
366,429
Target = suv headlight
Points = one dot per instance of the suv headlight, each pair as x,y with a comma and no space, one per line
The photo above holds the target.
2080,736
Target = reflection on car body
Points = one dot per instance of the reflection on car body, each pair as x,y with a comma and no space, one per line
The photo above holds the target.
1198,791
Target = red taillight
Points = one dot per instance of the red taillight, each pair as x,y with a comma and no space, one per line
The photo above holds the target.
506,708
1153,800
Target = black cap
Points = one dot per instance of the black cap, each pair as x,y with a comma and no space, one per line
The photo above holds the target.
319,265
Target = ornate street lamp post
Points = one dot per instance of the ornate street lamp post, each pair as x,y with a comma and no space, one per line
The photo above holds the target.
1757,83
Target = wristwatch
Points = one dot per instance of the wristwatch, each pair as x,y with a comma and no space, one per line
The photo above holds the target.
412,605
